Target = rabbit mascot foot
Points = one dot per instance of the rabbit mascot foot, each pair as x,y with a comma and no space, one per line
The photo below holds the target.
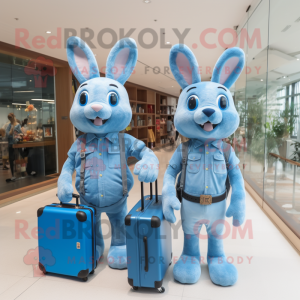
205,114
101,109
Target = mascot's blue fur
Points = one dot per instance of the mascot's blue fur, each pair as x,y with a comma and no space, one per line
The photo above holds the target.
206,114
101,109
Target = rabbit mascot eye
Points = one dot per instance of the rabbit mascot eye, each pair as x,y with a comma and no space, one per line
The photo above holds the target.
101,109
208,166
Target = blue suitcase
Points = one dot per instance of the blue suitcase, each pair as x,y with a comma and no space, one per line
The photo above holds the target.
67,239
148,241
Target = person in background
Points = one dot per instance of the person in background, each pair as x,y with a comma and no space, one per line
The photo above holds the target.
170,130
169,124
4,148
11,129
4,138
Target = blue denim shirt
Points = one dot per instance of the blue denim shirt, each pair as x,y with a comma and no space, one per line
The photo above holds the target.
10,137
206,168
103,178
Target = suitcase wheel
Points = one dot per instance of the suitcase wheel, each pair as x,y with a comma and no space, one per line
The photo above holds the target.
92,272
135,288
84,279
161,290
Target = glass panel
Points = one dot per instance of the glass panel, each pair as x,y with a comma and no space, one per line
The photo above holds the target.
255,106
240,104
283,111
28,139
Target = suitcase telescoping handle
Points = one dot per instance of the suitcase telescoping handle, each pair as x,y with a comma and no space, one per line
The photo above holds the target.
76,196
151,194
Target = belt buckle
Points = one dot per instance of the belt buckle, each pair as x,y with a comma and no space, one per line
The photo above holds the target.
205,199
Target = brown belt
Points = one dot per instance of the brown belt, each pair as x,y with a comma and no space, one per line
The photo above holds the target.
204,199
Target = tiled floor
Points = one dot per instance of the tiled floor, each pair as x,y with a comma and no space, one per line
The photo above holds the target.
272,274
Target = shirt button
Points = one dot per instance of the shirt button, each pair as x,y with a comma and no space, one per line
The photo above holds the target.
100,153
100,140
101,195
206,169
207,152
207,145
100,175
207,187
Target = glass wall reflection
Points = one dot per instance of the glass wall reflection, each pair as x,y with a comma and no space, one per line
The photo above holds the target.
27,121
267,98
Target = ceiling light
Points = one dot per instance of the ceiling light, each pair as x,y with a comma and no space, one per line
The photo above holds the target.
23,91
168,42
297,58
17,212
147,1
261,80
284,76
48,32
18,104
46,100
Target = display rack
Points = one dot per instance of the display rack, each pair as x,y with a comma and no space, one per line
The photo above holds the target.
146,105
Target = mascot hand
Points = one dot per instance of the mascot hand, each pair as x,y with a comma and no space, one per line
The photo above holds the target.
147,170
169,203
64,191
236,210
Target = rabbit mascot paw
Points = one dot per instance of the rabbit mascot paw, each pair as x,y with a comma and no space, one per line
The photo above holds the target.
101,109
205,114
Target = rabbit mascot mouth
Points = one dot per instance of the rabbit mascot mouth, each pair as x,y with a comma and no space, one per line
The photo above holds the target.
101,109
205,114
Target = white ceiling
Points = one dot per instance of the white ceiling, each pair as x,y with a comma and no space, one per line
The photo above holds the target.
284,46
38,16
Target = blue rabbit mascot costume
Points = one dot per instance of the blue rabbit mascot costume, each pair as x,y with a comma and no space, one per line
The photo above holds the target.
101,109
205,114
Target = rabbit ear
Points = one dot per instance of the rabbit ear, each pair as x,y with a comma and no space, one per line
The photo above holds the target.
229,67
122,60
184,65
81,59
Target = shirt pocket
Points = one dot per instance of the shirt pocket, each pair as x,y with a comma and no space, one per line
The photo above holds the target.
193,162
92,164
114,158
219,163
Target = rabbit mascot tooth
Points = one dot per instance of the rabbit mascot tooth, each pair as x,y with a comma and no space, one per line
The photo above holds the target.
205,114
101,109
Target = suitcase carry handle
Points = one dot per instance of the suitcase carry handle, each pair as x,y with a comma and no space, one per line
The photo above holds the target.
151,194
74,196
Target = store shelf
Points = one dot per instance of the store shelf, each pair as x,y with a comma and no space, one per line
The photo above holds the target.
144,97
145,114
144,126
